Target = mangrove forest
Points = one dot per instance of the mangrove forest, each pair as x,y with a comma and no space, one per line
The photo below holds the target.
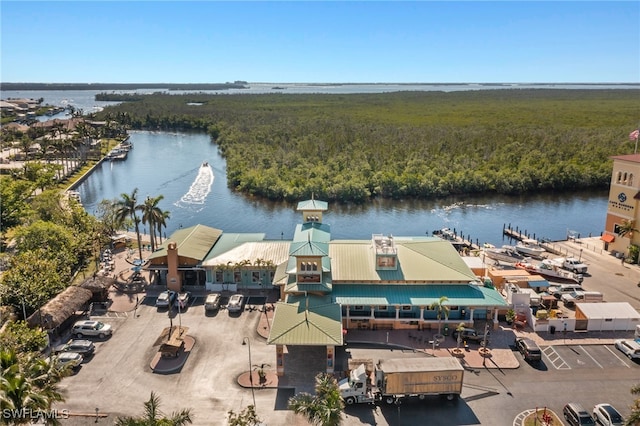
352,147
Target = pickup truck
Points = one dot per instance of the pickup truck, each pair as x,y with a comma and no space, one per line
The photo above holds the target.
574,265
569,263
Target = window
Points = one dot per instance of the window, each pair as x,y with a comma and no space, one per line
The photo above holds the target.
453,308
219,276
358,308
237,277
619,178
406,307
386,261
255,276
382,308
315,266
630,179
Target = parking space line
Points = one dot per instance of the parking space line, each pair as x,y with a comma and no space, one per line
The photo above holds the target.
589,355
555,356
619,359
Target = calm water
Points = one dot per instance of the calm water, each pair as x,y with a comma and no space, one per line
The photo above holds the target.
170,164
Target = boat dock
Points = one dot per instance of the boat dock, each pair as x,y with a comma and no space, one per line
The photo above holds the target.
457,240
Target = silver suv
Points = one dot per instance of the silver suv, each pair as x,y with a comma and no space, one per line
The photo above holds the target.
91,328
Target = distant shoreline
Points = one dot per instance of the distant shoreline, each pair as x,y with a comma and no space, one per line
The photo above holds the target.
122,86
8,86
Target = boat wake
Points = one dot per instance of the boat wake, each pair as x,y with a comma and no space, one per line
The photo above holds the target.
200,188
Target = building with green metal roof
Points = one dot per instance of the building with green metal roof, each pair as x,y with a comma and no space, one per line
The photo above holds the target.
328,287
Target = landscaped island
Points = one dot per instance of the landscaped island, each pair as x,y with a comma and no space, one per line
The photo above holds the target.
352,147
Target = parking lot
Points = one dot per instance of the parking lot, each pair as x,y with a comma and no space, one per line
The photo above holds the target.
574,357
117,380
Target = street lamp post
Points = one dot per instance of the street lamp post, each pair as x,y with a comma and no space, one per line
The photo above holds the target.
484,343
246,341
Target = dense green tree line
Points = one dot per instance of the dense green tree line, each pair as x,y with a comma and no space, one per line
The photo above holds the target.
403,144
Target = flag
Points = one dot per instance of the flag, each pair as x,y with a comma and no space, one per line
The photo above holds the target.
633,136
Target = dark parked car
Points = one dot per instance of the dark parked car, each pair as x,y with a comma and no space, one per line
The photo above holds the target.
470,335
529,349
83,347
576,415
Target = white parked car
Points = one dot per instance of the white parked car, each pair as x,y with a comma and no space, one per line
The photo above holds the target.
606,415
71,360
182,301
166,299
91,328
630,348
236,303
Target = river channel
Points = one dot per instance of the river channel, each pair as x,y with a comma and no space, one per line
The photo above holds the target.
171,164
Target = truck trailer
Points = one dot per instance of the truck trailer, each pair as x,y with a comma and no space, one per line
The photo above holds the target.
395,379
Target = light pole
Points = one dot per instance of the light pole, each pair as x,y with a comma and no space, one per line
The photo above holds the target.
246,341
484,343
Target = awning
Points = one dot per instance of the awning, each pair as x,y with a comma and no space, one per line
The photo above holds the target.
608,238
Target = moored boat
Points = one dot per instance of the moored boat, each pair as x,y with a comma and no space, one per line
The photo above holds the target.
530,247
117,154
504,254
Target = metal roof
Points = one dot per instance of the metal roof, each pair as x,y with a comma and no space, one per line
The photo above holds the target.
306,321
193,242
309,248
313,205
606,310
228,241
420,259
312,231
416,294
296,287
276,252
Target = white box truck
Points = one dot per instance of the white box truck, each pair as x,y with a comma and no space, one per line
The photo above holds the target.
394,379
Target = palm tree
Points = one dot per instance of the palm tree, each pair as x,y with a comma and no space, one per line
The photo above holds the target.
247,417
154,417
459,329
28,382
151,215
162,222
440,309
126,208
627,228
634,418
323,409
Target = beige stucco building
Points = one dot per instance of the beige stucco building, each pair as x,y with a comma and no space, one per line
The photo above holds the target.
624,199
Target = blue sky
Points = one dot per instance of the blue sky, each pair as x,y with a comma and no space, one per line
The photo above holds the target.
338,41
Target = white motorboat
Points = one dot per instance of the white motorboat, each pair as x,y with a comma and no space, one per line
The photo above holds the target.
548,269
504,254
530,247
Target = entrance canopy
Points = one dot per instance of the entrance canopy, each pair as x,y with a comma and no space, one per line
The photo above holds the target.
312,321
